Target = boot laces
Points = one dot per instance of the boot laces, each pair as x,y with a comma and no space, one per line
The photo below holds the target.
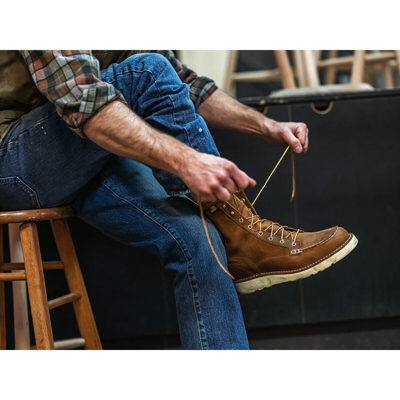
255,219
260,221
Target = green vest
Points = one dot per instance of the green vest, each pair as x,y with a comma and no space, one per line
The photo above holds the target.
19,94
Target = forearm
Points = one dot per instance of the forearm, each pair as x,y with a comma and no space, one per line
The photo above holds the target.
117,129
223,111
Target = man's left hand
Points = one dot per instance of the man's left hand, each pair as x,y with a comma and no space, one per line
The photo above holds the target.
294,134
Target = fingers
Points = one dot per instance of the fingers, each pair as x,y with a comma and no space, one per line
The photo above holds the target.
292,140
222,194
215,178
241,179
296,135
229,180
306,145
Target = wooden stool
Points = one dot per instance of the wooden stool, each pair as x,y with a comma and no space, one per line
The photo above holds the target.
33,267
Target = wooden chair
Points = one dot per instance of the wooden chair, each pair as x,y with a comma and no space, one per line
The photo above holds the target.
306,65
360,62
31,271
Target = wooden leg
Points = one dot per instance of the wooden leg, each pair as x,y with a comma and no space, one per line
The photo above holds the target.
3,342
83,310
3,339
387,72
330,76
298,62
357,72
36,287
397,52
22,338
310,68
282,60
232,64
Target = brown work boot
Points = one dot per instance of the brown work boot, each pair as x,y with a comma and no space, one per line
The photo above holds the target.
262,253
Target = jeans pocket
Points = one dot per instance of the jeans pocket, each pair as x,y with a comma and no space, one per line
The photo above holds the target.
17,195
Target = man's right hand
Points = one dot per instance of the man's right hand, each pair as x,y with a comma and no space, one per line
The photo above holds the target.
213,177
117,129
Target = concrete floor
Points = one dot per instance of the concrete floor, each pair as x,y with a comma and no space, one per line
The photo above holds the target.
378,334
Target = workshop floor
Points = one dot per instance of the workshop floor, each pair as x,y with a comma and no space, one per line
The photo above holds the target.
379,334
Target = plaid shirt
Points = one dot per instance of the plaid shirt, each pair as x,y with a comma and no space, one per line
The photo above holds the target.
71,80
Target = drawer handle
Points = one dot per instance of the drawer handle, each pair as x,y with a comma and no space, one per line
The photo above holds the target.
324,111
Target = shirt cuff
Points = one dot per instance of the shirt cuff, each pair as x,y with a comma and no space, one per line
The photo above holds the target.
79,129
201,89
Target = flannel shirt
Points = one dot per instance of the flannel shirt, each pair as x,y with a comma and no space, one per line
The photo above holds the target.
71,80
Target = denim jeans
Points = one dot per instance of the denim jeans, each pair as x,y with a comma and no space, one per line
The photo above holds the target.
44,164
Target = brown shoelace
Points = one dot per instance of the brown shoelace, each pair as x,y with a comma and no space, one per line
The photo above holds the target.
260,221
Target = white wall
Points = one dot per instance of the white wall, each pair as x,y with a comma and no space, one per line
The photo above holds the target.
210,63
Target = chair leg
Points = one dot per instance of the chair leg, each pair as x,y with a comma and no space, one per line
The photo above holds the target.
231,69
330,75
36,287
3,339
83,310
22,338
357,71
282,61
3,343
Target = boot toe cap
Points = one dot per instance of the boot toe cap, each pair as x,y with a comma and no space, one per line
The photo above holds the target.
334,236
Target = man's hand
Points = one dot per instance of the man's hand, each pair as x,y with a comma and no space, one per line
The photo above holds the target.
213,177
294,134
223,111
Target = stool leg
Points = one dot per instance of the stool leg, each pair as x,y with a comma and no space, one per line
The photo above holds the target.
3,343
22,338
83,310
36,287
357,71
3,339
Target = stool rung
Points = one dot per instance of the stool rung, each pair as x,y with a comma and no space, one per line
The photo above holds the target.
67,344
60,301
21,266
13,276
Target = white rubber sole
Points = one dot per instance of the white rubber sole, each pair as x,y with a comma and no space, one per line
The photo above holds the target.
270,280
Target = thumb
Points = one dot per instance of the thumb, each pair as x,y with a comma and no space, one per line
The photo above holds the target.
292,141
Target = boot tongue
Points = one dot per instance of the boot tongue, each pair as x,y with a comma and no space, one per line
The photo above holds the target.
244,209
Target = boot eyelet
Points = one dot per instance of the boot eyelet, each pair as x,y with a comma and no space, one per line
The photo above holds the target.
232,212
223,205
249,226
260,233
294,244
270,238
282,241
240,220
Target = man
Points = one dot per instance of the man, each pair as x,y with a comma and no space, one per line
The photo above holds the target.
72,134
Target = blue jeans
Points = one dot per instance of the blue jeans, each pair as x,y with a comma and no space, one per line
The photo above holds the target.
44,164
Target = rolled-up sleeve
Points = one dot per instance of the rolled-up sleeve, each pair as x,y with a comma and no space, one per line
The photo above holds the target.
71,80
201,87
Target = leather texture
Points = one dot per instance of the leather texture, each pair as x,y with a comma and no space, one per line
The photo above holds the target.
254,252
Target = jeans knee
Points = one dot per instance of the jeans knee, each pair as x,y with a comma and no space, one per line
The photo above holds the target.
152,62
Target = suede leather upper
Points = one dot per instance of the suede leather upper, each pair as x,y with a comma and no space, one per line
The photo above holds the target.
251,253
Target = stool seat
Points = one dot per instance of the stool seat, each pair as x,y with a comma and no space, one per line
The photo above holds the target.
43,214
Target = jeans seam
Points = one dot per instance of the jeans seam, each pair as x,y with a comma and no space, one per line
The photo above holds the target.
23,186
193,285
